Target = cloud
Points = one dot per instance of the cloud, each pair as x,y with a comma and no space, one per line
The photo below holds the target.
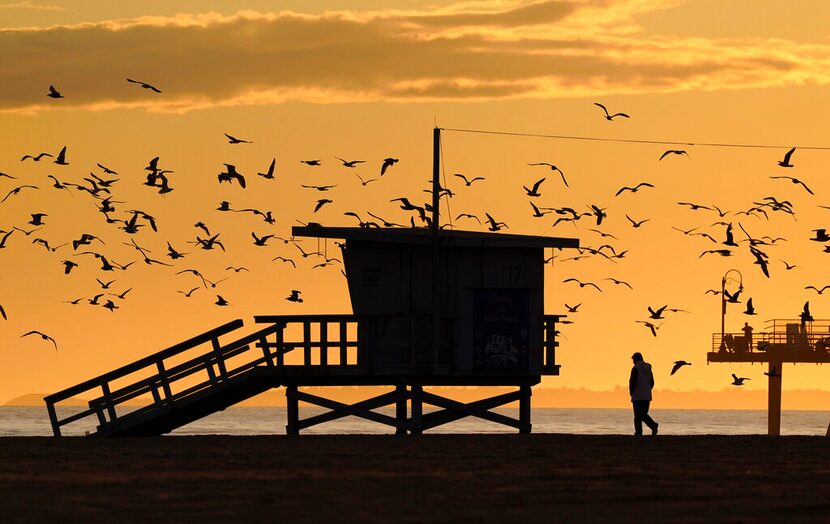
477,51
30,5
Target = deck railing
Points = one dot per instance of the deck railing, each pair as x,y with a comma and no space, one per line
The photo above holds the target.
778,334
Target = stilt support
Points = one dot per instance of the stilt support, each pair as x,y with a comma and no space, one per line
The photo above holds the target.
774,398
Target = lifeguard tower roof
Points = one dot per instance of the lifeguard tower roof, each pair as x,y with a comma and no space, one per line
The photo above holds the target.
424,236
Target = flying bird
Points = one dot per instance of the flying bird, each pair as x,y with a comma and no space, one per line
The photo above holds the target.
270,173
54,93
795,181
350,163
750,309
387,163
234,140
61,159
817,290
552,168
319,188
619,282
43,336
534,191
651,326
572,309
656,314
786,161
366,182
738,381
633,189
107,170
188,293
582,284
468,182
283,259
315,162
635,223
598,212
673,152
494,225
321,203
609,116
294,296
145,85
679,364
20,188
230,174
789,266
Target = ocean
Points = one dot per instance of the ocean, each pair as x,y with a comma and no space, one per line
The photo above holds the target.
33,421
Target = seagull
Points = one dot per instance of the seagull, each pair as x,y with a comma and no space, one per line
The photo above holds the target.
738,381
721,252
536,212
817,290
635,223
105,285
633,189
54,93
234,140
786,161
37,219
673,152
230,174
651,326
552,168
110,305
319,188
321,203
25,186
107,170
43,336
608,116
572,309
237,269
679,364
467,181
387,163
311,162
806,316
494,225
261,241
294,296
603,235
473,217
188,293
350,163
750,309
582,284
656,314
730,239
144,85
366,182
732,298
15,178
619,282
61,159
795,181
598,212
36,158
694,207
220,301
270,173
283,259
821,236
788,265
534,192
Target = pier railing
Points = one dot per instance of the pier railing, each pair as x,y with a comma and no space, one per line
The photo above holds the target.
778,335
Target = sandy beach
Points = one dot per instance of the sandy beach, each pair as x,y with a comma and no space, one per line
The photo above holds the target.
432,478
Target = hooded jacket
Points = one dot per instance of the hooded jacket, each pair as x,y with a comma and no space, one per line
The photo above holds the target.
641,381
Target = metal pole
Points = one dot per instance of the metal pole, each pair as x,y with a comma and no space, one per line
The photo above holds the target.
722,312
436,182
774,398
436,260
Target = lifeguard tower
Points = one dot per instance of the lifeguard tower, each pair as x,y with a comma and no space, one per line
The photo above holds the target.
431,307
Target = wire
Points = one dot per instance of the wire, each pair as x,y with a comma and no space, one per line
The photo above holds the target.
630,140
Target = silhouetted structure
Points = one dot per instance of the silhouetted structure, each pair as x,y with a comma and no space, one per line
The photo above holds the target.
788,340
430,307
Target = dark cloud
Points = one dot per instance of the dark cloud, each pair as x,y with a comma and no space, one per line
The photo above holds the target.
210,59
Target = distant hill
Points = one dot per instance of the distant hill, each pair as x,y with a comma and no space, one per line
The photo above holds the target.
730,398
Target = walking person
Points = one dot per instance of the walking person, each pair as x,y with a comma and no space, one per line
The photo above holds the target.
639,386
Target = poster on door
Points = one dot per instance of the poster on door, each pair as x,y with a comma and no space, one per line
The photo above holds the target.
501,327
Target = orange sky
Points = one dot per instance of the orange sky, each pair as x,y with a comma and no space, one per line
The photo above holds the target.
366,80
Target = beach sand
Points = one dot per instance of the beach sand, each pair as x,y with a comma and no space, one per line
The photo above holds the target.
430,478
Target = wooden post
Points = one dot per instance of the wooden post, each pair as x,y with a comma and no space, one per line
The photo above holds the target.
524,409
417,410
774,398
165,383
306,343
292,410
324,345
56,427
344,335
550,337
280,347
220,359
400,408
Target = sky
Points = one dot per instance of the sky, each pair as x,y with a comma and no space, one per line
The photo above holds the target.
370,79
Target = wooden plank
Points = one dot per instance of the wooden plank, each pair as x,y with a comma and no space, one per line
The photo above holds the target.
344,335
445,416
306,343
524,409
165,384
266,352
53,418
280,347
105,387
324,345
475,409
371,403
144,362
220,359
292,411
347,409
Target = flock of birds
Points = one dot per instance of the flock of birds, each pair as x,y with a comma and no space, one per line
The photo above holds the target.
101,189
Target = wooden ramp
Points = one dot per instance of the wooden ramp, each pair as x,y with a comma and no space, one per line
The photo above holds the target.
224,366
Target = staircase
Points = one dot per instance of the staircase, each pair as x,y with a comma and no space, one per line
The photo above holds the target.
204,375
